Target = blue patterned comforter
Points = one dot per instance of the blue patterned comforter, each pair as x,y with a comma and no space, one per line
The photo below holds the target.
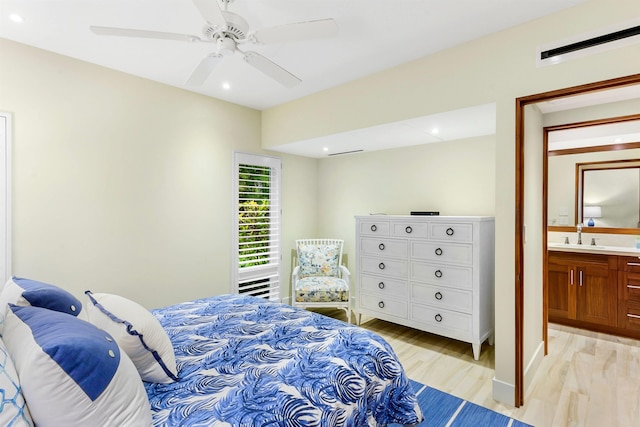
245,361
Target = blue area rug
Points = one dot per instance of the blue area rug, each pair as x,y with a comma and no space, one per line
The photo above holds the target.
441,409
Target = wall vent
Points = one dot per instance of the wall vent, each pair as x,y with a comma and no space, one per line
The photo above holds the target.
620,35
344,152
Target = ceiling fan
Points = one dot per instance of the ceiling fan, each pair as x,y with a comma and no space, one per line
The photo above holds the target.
228,30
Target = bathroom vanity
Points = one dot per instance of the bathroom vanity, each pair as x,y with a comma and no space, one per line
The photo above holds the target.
595,288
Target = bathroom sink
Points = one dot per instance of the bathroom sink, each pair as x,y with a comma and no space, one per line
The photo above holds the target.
576,246
594,248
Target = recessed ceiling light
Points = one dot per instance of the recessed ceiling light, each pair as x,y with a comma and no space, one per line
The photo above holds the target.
435,131
226,85
16,18
618,140
325,149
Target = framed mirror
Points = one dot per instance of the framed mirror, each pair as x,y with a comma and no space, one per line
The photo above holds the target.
608,194
593,172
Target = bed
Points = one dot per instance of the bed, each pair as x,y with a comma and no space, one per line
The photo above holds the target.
229,360
249,362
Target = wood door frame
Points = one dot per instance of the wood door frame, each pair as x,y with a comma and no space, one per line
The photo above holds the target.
521,103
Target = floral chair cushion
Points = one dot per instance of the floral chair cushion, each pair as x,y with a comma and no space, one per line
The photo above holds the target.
318,260
321,289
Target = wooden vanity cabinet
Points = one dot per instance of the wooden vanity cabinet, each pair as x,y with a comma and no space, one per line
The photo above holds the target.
629,292
583,289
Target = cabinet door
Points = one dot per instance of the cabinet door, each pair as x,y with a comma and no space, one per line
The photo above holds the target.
561,292
597,297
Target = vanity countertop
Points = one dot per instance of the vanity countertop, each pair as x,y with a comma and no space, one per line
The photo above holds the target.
591,249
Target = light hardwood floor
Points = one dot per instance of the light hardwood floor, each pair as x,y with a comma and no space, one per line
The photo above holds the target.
588,379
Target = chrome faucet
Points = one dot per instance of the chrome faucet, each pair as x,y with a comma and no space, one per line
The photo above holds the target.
579,227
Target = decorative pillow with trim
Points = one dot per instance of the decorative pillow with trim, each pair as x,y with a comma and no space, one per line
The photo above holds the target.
13,408
72,373
137,332
23,292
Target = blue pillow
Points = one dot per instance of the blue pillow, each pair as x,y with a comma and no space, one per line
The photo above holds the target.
73,373
23,292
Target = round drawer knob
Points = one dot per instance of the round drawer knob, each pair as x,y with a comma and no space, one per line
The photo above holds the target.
438,273
381,285
438,318
439,251
381,246
381,304
438,295
381,266
373,227
408,230
449,231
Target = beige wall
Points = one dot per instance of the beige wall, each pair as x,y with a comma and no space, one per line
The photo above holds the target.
533,350
426,177
123,185
497,68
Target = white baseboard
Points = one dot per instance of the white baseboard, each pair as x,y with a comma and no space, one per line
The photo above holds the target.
504,392
532,367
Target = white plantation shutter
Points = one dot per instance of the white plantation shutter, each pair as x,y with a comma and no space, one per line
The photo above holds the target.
257,227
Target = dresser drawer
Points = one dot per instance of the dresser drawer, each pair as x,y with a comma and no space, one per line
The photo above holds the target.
442,297
418,230
460,323
374,228
383,286
384,247
442,275
442,252
384,266
384,305
454,232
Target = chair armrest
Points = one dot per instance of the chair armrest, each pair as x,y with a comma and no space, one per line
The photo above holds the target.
346,275
296,271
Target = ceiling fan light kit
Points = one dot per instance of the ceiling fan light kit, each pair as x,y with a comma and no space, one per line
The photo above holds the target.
228,30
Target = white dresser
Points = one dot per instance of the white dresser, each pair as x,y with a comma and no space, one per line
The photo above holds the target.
433,273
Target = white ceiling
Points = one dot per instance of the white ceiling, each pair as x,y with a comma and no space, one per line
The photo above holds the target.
447,126
373,35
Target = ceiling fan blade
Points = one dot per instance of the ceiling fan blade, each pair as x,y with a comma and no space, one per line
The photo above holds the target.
203,70
297,31
271,69
128,32
211,12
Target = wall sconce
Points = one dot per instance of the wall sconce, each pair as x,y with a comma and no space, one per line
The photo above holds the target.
592,212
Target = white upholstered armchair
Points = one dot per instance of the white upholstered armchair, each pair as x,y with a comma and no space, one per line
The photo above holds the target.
320,279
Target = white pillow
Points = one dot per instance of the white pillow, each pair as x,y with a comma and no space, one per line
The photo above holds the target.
21,291
137,332
72,373
13,409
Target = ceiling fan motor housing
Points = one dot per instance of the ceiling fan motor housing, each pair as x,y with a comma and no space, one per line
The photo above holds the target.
237,28
226,46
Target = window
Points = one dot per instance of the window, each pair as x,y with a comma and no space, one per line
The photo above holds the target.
256,250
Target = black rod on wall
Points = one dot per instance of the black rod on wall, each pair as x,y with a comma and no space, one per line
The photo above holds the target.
594,41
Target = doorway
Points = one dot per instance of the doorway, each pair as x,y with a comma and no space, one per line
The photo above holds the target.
520,223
